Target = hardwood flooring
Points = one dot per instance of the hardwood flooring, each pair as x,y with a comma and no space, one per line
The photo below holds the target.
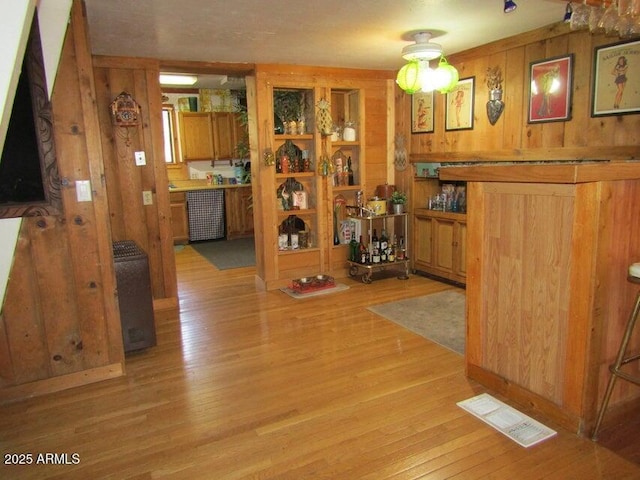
257,385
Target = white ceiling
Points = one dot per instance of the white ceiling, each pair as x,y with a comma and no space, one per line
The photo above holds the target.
365,34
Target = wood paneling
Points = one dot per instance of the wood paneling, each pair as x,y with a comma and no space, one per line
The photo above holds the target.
512,138
60,320
147,225
553,259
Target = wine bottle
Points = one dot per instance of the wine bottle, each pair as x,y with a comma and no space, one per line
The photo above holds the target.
353,248
375,248
384,246
363,252
351,179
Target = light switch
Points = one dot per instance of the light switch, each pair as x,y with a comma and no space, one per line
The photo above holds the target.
83,190
147,197
141,159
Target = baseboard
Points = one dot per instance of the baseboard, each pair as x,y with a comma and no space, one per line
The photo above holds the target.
62,382
526,398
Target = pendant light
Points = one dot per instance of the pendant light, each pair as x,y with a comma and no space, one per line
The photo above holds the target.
417,76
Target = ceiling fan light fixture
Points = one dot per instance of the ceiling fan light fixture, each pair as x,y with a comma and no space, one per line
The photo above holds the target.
422,49
445,77
408,78
509,6
171,79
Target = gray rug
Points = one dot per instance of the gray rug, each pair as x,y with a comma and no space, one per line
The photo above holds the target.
439,317
226,254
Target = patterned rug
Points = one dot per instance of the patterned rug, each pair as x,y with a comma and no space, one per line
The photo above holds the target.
439,317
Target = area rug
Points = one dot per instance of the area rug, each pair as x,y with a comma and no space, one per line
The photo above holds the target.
439,317
517,426
325,291
226,254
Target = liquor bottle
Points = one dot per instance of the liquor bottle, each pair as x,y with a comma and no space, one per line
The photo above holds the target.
402,252
375,248
363,253
353,248
392,250
351,179
384,246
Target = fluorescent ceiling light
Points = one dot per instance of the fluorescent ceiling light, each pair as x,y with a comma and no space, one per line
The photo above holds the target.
169,79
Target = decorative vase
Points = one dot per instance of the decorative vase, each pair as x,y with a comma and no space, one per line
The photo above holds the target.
495,106
398,208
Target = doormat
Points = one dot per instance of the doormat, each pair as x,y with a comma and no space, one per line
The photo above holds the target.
325,291
519,427
226,254
439,317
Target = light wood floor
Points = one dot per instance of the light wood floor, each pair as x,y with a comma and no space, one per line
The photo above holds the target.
259,385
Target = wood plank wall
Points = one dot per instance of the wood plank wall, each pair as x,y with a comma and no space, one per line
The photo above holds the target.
512,138
60,325
149,226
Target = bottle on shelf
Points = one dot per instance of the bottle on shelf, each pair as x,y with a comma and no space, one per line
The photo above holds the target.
350,176
375,248
363,253
392,250
353,248
384,246
401,254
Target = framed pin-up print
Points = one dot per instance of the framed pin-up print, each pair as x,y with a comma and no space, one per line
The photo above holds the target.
616,69
422,112
550,83
459,105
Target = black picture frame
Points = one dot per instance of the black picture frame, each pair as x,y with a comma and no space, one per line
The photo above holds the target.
460,105
550,89
607,76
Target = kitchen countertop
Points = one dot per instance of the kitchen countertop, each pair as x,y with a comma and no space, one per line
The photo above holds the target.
190,185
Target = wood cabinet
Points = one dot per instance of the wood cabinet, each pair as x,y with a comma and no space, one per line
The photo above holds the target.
238,212
208,136
440,244
179,220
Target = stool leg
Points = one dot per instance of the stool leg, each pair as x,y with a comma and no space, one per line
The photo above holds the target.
616,366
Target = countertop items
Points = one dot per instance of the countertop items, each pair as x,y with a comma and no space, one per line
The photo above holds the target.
190,185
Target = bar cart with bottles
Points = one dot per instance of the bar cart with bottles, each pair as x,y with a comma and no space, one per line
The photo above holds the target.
394,225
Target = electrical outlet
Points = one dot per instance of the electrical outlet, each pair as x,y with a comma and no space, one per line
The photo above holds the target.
83,190
141,159
147,197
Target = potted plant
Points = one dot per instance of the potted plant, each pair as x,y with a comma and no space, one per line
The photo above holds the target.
398,199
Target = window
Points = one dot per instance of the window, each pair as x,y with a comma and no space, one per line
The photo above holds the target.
169,130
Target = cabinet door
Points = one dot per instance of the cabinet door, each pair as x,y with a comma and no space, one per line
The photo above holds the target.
444,243
179,223
224,135
196,136
239,213
422,241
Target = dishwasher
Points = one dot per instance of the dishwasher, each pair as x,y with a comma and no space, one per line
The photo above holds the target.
206,214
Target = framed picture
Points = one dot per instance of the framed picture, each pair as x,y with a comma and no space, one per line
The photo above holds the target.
422,112
459,105
613,66
550,83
